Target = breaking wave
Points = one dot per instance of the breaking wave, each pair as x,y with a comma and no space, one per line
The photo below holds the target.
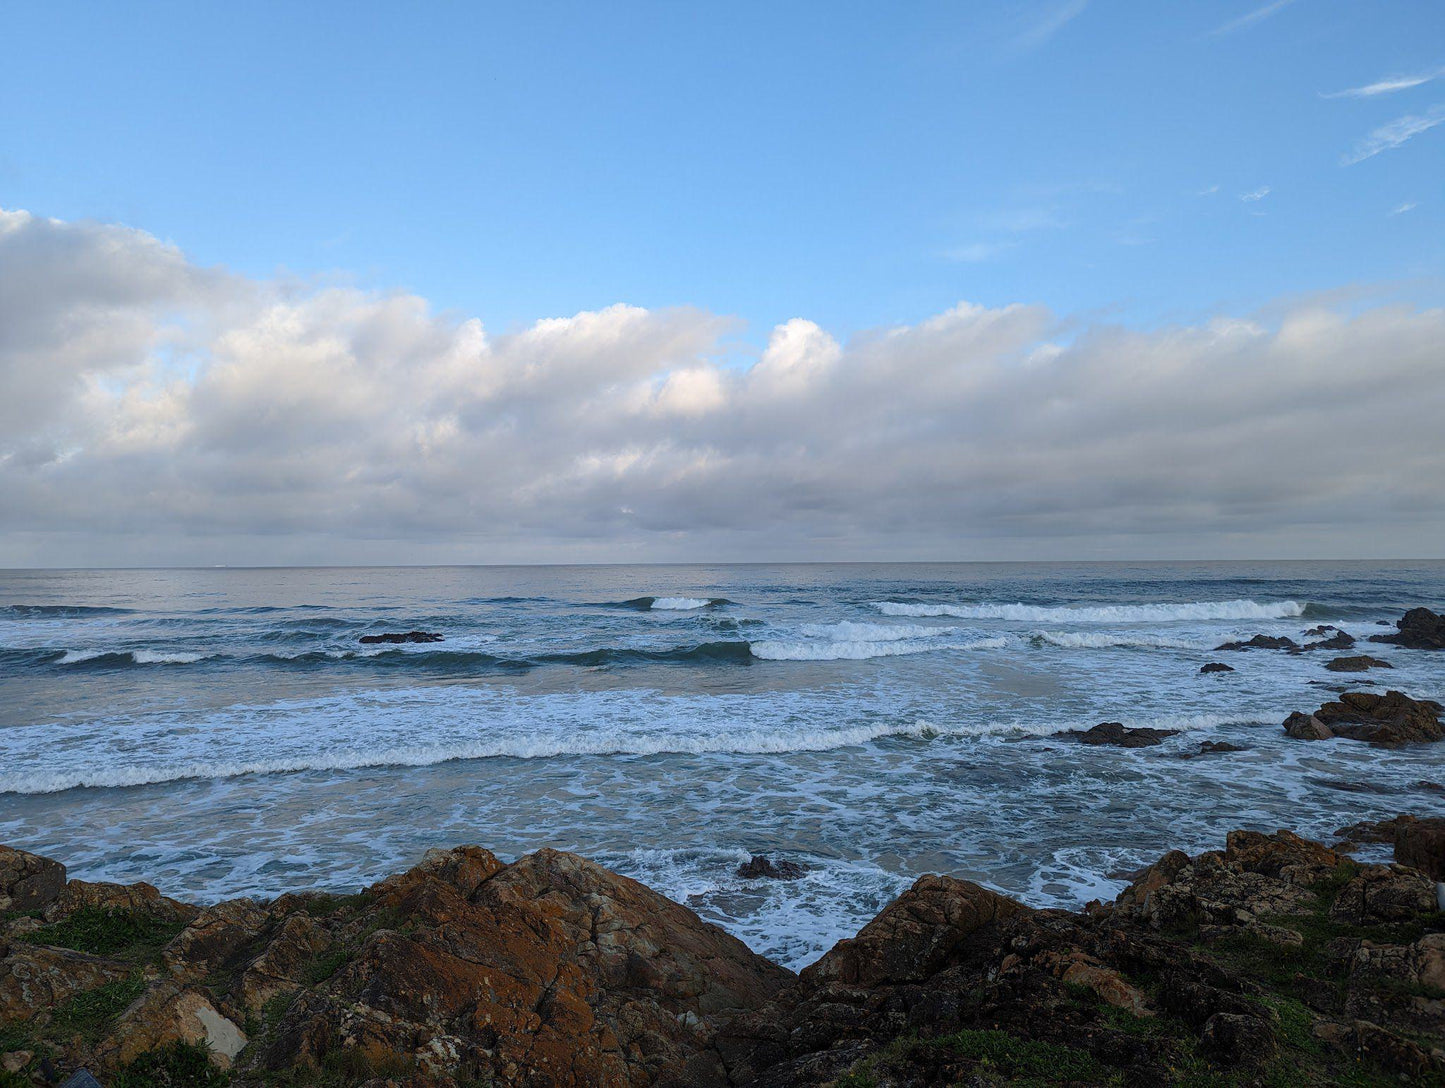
672,604
862,650
1116,613
1090,640
59,611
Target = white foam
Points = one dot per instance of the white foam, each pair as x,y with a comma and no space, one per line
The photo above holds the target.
1120,613
679,604
138,657
777,650
849,631
1090,640
744,742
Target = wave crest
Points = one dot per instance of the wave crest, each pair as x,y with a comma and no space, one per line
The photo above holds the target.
1117,613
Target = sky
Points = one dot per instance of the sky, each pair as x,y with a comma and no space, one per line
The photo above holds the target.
633,282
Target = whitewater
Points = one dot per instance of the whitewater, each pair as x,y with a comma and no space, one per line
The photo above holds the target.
224,732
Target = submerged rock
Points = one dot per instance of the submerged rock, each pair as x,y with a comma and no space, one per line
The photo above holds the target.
761,866
1418,629
393,637
1117,734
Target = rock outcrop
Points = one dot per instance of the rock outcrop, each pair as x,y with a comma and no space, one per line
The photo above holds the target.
1262,642
1357,663
1387,721
1418,629
1216,666
1274,960
1118,735
397,638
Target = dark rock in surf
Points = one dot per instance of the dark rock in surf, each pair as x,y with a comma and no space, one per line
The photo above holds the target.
1419,629
1338,641
1321,631
1386,721
1115,733
1216,666
393,638
1262,642
1358,663
763,867
1306,727
1211,747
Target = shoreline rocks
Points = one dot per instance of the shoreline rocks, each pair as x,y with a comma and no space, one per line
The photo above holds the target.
1386,721
1358,663
1275,959
762,867
1216,666
1118,735
1418,629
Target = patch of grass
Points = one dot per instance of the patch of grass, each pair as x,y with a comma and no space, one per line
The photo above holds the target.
273,1010
106,932
179,1065
90,1013
324,966
327,904
14,1080
1002,1053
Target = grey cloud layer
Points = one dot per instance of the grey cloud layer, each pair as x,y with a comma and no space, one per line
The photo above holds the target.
146,403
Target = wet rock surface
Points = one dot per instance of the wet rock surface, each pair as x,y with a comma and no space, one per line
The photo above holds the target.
1216,666
762,867
1418,629
1387,721
397,638
1118,735
1357,663
1274,960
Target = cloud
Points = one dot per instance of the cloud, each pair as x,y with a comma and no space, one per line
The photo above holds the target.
1401,209
1054,19
158,411
1255,195
1390,136
1388,85
1250,18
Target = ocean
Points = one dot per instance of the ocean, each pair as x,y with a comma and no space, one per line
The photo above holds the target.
223,732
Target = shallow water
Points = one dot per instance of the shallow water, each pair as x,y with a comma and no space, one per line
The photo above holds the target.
222,732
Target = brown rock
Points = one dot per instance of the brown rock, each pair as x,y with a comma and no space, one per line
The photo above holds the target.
1284,855
138,898
34,979
213,937
1420,844
1387,720
1419,629
1116,734
1383,894
168,1013
28,881
551,970
1262,642
282,966
1306,727
913,935
1358,663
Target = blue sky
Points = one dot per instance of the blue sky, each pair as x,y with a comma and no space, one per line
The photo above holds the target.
855,164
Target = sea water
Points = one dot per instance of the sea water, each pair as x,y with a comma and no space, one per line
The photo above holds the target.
224,732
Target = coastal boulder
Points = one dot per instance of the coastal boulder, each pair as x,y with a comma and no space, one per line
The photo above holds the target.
28,881
397,638
1357,663
1262,642
1420,844
1118,735
1418,629
1216,666
762,866
1306,727
1387,720
551,970
914,934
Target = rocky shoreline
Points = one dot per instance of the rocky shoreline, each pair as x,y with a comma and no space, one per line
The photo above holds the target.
1275,961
